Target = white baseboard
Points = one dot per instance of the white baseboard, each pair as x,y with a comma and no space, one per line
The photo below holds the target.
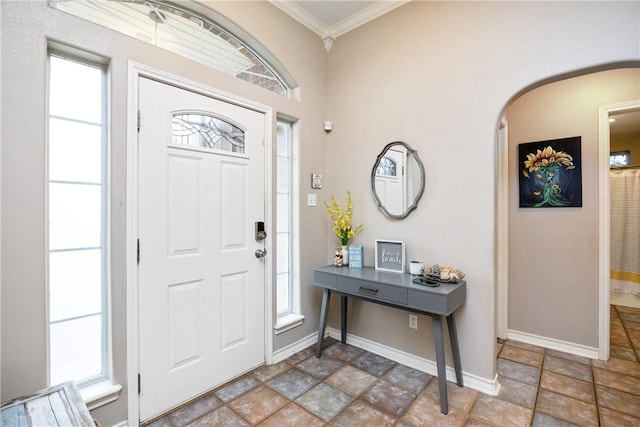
296,347
554,344
483,385
121,424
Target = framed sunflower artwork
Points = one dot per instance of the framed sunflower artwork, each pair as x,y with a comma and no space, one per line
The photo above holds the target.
550,173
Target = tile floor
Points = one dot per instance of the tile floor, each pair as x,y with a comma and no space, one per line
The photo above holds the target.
348,386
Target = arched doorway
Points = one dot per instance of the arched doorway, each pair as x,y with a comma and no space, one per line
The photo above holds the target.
552,278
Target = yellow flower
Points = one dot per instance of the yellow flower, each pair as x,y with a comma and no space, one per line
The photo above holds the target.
342,220
545,158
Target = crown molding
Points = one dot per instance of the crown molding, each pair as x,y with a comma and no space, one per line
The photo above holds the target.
303,16
367,14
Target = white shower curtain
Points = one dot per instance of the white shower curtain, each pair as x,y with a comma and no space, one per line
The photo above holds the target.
625,233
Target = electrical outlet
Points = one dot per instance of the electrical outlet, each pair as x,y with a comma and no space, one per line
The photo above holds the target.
413,321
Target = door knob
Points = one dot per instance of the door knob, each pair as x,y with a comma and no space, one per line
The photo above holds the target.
261,253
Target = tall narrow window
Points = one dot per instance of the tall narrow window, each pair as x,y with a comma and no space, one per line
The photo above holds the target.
78,220
287,289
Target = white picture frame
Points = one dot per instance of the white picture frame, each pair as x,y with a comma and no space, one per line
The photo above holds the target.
390,256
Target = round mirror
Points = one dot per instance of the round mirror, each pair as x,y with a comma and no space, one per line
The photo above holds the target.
397,180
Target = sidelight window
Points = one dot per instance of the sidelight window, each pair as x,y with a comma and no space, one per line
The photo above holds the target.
287,261
78,222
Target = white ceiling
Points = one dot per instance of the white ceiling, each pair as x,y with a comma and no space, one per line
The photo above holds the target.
332,18
626,123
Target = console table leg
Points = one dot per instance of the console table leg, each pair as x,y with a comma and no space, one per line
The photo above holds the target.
442,370
343,319
453,338
326,294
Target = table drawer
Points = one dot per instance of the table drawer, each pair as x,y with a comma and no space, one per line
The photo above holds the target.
373,291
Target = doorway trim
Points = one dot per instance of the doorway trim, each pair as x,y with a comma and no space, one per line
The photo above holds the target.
604,221
135,72
502,232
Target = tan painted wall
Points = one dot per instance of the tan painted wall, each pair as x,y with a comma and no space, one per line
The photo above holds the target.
628,142
437,75
553,252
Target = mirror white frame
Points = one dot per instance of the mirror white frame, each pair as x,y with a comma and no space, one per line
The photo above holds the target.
409,202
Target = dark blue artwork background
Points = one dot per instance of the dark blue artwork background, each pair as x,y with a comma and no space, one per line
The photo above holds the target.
570,181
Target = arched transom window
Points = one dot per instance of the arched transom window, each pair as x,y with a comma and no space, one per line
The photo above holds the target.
180,31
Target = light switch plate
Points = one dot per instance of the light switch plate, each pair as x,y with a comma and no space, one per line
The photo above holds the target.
312,200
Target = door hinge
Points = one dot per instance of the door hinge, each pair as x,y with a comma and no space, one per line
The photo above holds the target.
138,120
139,387
138,249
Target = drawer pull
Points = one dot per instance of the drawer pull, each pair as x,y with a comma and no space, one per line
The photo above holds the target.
369,291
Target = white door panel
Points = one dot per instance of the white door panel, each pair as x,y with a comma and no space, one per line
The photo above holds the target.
201,288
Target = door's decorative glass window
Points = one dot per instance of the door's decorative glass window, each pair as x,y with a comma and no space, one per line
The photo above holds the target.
387,167
182,31
204,131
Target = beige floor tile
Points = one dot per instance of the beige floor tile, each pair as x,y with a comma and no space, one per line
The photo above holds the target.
292,415
609,418
619,365
221,417
541,419
568,386
472,422
567,408
618,401
351,380
615,322
525,346
258,404
634,336
625,353
498,412
617,381
568,368
567,356
631,325
460,399
521,355
619,338
361,414
426,412
268,372
628,310
518,392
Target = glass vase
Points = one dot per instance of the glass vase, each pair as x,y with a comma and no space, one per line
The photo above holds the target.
345,254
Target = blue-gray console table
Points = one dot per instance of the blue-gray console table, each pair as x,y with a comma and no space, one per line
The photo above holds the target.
396,290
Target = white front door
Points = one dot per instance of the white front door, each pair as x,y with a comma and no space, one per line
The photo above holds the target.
391,183
201,286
